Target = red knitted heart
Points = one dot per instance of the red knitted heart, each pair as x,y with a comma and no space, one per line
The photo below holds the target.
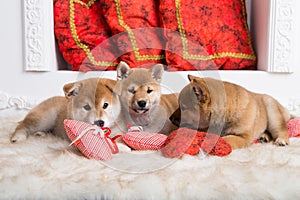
293,127
188,141
215,145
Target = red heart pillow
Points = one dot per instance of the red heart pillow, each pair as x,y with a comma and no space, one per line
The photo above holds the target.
91,140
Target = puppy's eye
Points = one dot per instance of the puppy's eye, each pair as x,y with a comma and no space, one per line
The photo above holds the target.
149,91
105,105
131,90
87,107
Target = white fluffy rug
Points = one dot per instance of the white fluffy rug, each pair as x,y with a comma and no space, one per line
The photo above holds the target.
42,168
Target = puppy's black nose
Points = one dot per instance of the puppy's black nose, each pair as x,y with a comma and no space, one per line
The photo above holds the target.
142,104
99,123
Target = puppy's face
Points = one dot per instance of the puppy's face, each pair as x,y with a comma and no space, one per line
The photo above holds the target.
139,88
93,101
81,96
140,98
194,107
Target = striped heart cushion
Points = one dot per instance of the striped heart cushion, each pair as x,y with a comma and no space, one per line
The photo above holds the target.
93,142
140,140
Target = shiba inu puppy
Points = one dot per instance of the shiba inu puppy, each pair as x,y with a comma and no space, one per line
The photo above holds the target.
238,115
87,100
141,100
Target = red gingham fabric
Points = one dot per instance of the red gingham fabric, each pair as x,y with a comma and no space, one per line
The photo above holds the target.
90,144
144,141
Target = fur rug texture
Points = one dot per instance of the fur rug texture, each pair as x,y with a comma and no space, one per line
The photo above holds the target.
45,168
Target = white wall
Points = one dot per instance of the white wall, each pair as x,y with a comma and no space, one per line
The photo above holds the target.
15,82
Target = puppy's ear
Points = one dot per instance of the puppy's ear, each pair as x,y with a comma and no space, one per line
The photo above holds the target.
191,77
157,71
200,90
122,70
72,89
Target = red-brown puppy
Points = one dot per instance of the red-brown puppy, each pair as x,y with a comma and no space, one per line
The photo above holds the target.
240,116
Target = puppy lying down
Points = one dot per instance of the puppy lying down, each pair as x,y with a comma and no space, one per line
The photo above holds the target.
87,100
240,116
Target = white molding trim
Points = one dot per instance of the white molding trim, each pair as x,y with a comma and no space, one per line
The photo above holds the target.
18,102
294,107
281,36
38,35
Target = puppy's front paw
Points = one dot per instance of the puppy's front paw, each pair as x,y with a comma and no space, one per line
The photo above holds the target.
18,137
281,142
